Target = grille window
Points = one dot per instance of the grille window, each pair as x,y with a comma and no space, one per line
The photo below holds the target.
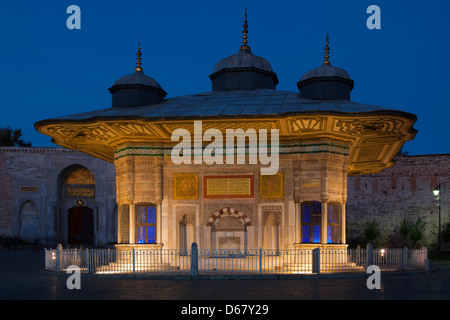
334,222
145,223
311,221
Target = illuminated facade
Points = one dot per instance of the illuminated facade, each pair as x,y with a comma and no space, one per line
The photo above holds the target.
323,138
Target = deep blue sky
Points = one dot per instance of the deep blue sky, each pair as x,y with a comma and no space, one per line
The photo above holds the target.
48,70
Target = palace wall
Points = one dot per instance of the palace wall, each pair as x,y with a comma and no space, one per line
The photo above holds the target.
402,191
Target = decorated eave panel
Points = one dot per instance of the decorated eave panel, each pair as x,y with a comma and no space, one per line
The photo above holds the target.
373,139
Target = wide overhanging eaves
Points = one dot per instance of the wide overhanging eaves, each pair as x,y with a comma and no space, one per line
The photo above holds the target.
373,137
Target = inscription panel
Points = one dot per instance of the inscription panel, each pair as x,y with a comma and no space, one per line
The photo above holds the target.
228,186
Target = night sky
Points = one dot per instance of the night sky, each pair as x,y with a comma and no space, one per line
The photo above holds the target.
48,70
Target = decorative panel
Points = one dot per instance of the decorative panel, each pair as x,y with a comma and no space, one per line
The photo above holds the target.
185,186
271,186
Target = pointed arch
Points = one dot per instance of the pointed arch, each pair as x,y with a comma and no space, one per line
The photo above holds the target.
230,211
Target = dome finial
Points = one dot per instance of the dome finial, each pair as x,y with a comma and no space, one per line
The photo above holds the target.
138,67
327,51
245,31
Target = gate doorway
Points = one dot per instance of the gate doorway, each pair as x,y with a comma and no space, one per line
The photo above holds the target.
80,225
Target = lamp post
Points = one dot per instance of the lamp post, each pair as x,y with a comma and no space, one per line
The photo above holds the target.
437,193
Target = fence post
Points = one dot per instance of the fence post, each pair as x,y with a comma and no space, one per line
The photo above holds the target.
88,261
400,261
134,262
358,257
405,258
316,260
369,254
58,257
424,254
194,260
260,260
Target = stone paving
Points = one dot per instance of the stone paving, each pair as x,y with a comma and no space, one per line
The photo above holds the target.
22,277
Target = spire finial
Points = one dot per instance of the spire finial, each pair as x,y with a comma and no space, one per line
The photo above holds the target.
138,64
327,51
245,31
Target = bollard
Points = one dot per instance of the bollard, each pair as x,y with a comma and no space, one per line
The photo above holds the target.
194,260
428,266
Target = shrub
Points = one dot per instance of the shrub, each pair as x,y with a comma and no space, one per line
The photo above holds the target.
445,233
412,232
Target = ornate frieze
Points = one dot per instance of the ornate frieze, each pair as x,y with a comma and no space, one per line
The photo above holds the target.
306,125
94,133
363,127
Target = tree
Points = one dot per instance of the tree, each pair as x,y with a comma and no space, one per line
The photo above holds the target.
372,231
12,138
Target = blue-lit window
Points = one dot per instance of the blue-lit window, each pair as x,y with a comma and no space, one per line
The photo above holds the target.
306,233
145,223
311,221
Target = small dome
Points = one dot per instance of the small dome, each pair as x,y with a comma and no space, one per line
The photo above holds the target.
243,59
326,82
138,77
324,71
136,89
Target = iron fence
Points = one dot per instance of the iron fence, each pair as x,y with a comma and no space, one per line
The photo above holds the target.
233,262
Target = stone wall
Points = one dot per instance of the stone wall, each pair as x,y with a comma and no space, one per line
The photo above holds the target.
403,191
32,205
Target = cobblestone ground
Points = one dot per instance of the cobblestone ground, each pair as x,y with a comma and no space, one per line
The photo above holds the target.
22,277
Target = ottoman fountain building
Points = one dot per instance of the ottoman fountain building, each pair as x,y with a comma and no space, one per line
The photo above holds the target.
290,195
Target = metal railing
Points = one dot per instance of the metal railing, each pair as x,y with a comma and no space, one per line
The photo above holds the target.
196,262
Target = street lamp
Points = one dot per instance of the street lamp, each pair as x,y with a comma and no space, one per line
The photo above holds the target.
437,193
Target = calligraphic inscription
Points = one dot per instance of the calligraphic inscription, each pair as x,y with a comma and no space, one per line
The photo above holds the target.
271,186
228,186
185,186
80,192
28,189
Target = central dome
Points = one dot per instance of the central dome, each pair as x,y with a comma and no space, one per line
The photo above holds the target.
243,70
243,59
